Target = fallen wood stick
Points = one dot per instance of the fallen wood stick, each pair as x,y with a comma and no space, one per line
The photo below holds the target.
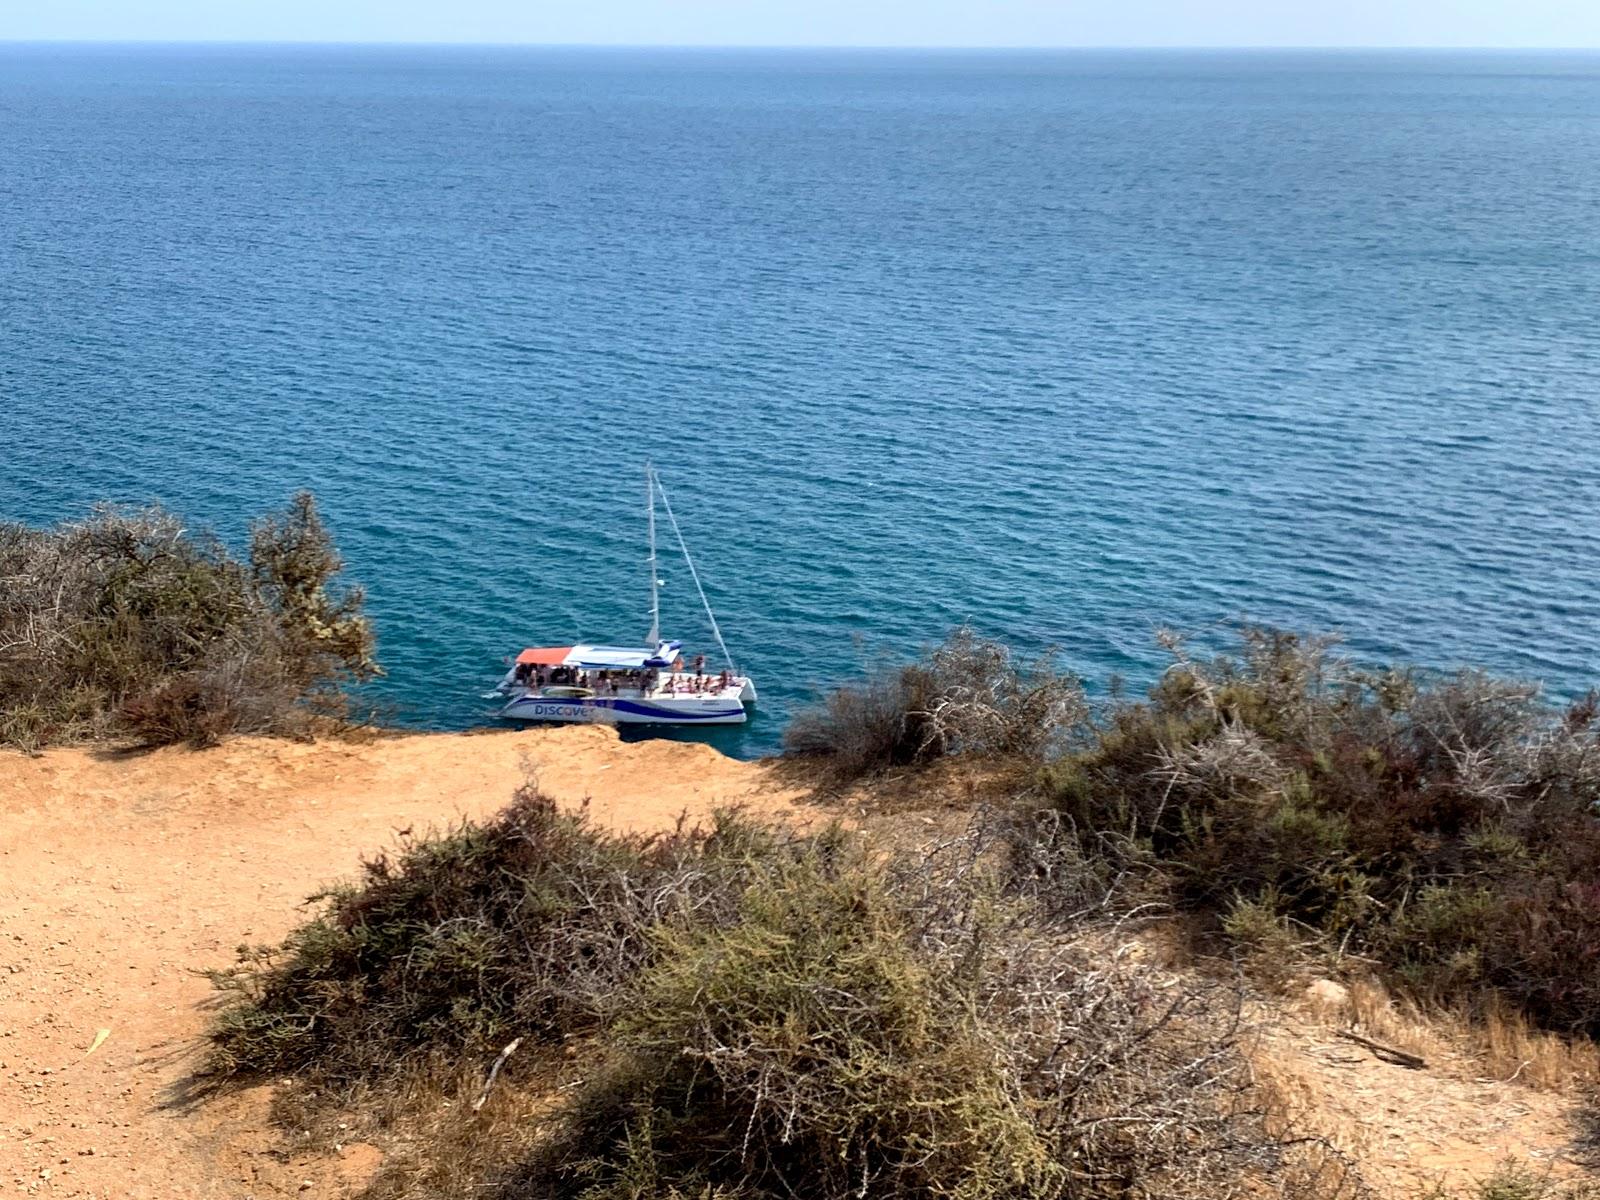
488,1083
1403,1058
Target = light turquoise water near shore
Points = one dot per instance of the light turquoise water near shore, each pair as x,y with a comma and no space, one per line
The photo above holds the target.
1069,345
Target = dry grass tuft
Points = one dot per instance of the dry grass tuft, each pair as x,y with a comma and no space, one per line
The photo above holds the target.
1319,1165
1501,1042
439,1146
1516,1181
1376,1013
1513,1050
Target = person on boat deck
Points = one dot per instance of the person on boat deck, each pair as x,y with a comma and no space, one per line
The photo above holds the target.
539,677
699,665
725,680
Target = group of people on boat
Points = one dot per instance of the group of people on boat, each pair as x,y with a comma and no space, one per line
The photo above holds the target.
643,682
699,684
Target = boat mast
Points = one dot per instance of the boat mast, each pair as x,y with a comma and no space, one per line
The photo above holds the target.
655,582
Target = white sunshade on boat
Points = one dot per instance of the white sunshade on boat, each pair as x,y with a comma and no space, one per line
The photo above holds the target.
603,658
609,657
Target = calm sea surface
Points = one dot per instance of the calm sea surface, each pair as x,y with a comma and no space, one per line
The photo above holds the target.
1072,345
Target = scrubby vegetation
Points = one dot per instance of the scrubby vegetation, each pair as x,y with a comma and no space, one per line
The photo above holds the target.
522,926
129,624
1512,1181
743,1013
1446,828
766,1015
967,696
1449,829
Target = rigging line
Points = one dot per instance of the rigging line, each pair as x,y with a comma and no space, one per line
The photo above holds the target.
695,575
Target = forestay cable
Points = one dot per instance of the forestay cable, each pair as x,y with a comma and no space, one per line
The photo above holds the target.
695,575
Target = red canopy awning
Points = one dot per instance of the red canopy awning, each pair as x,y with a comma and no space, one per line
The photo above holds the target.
548,656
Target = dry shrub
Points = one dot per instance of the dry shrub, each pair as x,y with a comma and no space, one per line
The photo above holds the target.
1447,829
967,696
902,1029
519,927
1586,1145
1515,1181
129,624
805,1048
756,1014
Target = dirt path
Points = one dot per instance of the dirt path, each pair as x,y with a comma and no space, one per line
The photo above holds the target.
121,875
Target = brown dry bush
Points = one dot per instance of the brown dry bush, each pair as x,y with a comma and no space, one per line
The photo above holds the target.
967,696
129,624
768,1013
518,927
1448,829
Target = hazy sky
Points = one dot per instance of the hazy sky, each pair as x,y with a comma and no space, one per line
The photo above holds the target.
1566,23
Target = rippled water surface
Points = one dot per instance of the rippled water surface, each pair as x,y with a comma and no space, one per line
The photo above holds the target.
1070,345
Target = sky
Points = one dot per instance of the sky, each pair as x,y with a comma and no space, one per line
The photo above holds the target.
1453,23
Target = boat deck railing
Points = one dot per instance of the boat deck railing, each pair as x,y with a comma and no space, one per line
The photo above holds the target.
674,686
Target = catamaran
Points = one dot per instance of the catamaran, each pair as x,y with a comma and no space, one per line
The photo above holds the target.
645,685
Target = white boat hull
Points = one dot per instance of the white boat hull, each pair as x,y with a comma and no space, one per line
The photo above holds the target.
626,710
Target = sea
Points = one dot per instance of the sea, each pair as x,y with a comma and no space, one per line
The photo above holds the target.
1071,346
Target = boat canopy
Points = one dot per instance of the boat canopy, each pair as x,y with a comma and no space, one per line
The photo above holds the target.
601,658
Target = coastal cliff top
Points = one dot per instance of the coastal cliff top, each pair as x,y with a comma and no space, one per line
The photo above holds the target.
122,874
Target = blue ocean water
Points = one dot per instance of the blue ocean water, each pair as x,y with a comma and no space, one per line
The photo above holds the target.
1072,345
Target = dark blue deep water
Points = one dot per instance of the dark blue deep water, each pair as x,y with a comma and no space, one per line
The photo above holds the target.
1072,345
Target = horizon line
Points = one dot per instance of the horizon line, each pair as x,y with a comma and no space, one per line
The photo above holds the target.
841,46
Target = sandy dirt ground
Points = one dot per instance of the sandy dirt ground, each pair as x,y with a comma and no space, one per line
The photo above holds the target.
121,875
1412,1134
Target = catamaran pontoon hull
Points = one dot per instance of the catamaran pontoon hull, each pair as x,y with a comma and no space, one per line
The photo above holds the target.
607,710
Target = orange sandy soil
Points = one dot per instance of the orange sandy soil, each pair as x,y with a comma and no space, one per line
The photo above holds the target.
120,875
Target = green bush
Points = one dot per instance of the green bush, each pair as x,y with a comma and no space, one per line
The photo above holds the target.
807,1048
128,624
1448,828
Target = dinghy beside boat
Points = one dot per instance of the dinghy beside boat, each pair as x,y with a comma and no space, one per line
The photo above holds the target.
629,685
